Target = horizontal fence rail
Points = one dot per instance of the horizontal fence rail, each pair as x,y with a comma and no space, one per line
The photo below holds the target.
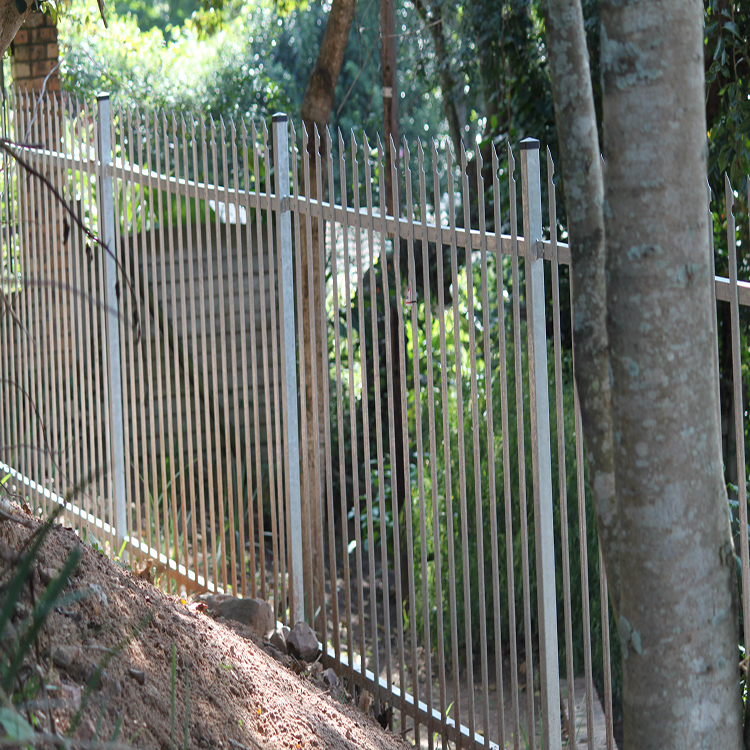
346,392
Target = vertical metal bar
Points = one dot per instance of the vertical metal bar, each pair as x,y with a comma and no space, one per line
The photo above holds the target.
404,427
227,299
364,396
365,407
114,374
94,333
419,433
135,342
562,479
178,335
340,411
494,530
606,654
208,348
225,372
184,257
291,421
153,357
540,445
198,549
477,425
217,527
127,324
435,495
447,459
272,407
104,445
326,368
460,440
305,550
198,320
322,350
383,235
169,486
739,408
239,380
476,429
33,311
264,356
583,545
254,379
47,248
521,435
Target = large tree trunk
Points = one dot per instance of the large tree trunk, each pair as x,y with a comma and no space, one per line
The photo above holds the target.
316,113
676,597
10,22
678,608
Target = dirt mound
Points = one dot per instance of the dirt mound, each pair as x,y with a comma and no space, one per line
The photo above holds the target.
229,693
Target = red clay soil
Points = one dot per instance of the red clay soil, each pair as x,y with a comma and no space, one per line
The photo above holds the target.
239,696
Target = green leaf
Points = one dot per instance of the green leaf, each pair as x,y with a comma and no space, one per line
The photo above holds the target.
732,26
15,726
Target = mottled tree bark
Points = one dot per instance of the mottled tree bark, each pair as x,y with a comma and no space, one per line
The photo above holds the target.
10,22
584,195
678,609
316,113
676,597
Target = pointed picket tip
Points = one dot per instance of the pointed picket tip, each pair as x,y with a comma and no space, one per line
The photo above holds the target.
222,128
550,163
265,131
407,156
355,149
340,142
293,134
729,193
232,128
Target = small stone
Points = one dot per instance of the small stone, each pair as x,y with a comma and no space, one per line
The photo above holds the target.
62,657
138,675
278,638
257,614
331,678
302,642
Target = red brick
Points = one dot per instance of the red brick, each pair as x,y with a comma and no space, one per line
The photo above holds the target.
23,53
22,37
34,20
53,51
43,34
20,70
41,68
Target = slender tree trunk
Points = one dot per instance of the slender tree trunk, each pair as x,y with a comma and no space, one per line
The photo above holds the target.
316,113
584,194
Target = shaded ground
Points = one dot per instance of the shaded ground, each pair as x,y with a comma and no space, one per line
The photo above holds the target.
229,692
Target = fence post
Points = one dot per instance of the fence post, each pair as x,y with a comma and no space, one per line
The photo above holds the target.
289,362
114,373
544,533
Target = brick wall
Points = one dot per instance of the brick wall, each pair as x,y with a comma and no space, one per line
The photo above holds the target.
34,53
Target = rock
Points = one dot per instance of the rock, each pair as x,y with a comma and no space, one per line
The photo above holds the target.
138,675
257,614
331,678
278,638
62,657
302,642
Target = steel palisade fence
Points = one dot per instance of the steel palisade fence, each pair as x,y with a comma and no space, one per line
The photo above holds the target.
158,391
